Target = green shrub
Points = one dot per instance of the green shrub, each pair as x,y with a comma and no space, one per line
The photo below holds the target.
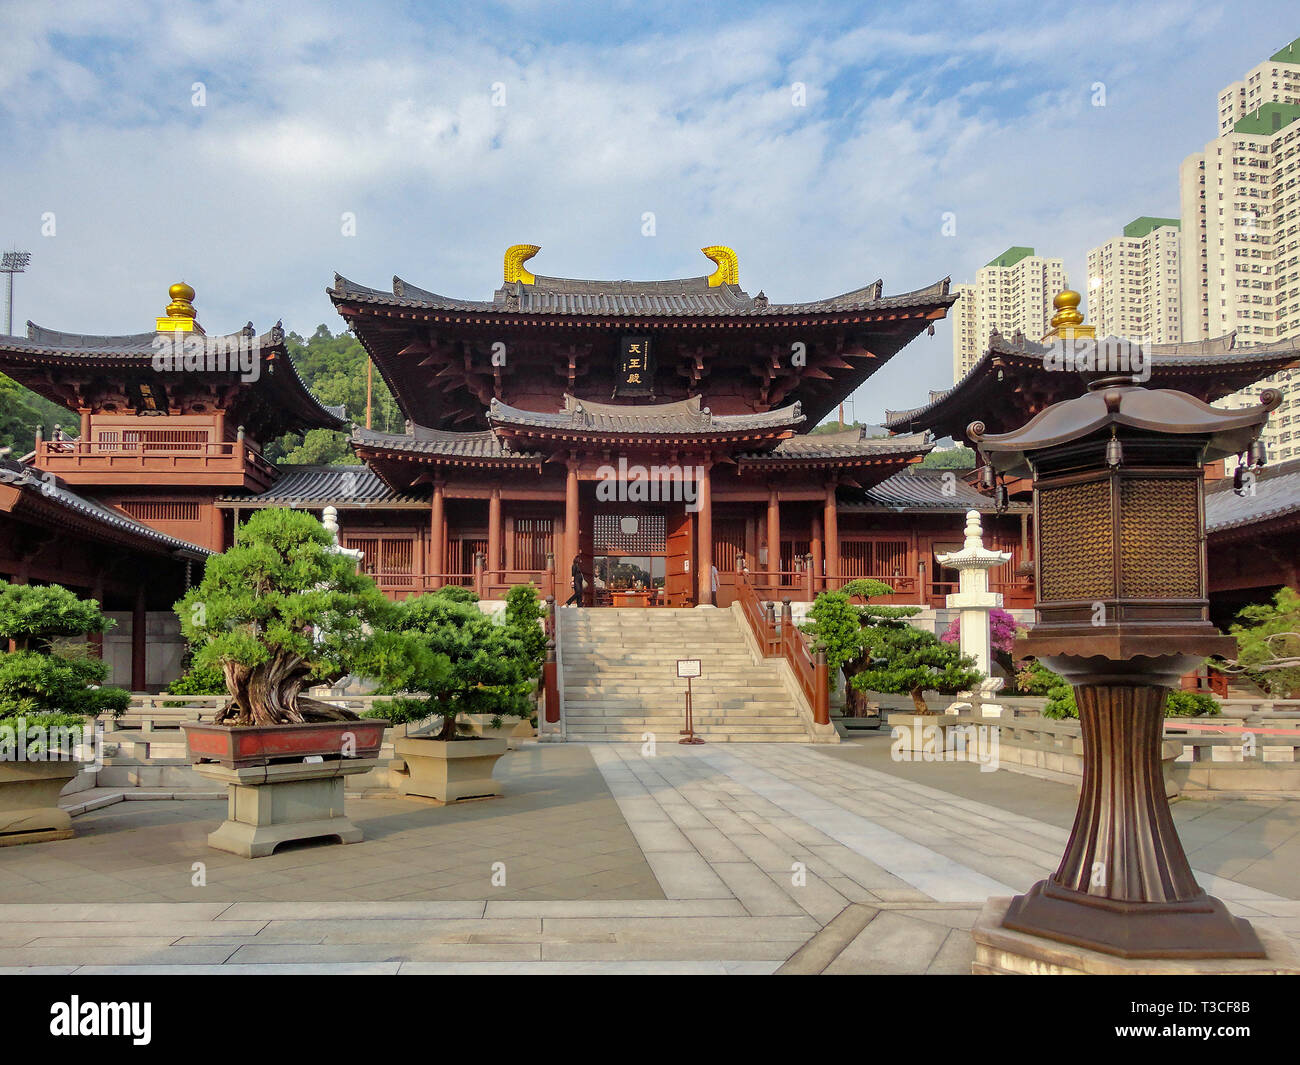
1034,678
208,680
1191,704
1060,701
1061,704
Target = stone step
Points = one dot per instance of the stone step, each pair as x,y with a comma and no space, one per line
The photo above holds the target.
620,679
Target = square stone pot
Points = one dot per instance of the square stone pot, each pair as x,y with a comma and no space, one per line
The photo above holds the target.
29,801
920,734
448,770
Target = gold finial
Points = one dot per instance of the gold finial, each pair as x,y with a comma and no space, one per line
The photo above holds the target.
516,256
728,271
1067,322
181,317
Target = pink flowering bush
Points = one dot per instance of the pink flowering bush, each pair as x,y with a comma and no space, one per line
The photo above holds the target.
1002,633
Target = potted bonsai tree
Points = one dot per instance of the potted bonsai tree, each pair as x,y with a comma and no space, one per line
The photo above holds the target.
474,666
51,689
280,611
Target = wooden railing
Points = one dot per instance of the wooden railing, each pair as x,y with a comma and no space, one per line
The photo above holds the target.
780,637
151,457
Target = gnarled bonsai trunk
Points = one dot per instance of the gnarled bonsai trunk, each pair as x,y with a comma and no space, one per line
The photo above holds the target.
270,694
918,701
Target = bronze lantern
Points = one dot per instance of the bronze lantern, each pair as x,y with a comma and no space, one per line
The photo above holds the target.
1122,613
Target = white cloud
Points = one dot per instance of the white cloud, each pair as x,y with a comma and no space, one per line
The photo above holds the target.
317,109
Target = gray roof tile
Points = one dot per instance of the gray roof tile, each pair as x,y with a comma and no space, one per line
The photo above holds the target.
27,479
685,416
1275,494
922,488
336,485
689,297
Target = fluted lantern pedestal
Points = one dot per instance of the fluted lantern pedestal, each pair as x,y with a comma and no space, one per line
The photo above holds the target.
1124,885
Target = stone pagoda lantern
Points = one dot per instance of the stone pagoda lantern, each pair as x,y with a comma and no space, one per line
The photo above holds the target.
973,598
1122,614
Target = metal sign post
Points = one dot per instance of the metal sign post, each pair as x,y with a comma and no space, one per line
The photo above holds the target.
686,669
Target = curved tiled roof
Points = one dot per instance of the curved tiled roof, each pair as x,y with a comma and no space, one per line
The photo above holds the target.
51,491
327,485
1209,363
1274,494
918,487
839,449
685,416
42,349
686,297
422,440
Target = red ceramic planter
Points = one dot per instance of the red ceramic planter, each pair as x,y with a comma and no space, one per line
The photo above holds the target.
239,747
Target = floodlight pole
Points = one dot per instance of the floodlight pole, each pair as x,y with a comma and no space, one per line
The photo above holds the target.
13,262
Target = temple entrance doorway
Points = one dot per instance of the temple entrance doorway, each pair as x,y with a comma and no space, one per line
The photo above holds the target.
629,556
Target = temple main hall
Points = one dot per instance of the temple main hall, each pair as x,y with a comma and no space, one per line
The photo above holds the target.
657,432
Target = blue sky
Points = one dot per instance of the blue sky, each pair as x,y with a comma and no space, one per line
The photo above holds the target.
385,111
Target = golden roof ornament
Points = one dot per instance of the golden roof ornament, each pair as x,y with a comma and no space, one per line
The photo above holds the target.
516,256
1067,322
180,316
728,271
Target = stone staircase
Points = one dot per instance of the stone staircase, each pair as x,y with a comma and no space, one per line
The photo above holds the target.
620,678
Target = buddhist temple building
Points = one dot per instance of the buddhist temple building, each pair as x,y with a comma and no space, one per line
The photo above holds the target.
658,433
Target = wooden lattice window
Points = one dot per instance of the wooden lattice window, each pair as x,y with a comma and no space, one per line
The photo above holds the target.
165,439
728,543
881,559
647,535
388,559
533,540
161,510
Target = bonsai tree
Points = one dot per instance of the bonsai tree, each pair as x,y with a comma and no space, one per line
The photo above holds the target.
52,677
285,609
839,625
472,665
1268,643
907,659
1002,636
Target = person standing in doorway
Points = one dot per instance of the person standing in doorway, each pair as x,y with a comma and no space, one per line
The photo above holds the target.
577,598
713,580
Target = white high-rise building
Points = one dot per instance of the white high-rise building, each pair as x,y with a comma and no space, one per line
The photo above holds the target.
1012,294
1241,229
1133,283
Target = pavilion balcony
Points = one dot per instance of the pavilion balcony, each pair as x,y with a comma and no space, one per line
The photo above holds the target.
229,464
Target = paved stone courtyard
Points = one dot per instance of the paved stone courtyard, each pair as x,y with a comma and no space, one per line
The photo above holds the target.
743,858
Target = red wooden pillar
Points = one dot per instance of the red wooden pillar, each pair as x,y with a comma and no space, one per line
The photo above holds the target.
704,524
437,544
815,546
830,521
494,537
773,535
570,518
139,642
821,689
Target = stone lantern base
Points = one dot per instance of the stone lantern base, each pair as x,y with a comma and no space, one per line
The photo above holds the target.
1001,951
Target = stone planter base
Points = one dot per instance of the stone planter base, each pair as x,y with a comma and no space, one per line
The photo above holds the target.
447,771
29,801
274,804
513,730
920,733
1000,951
